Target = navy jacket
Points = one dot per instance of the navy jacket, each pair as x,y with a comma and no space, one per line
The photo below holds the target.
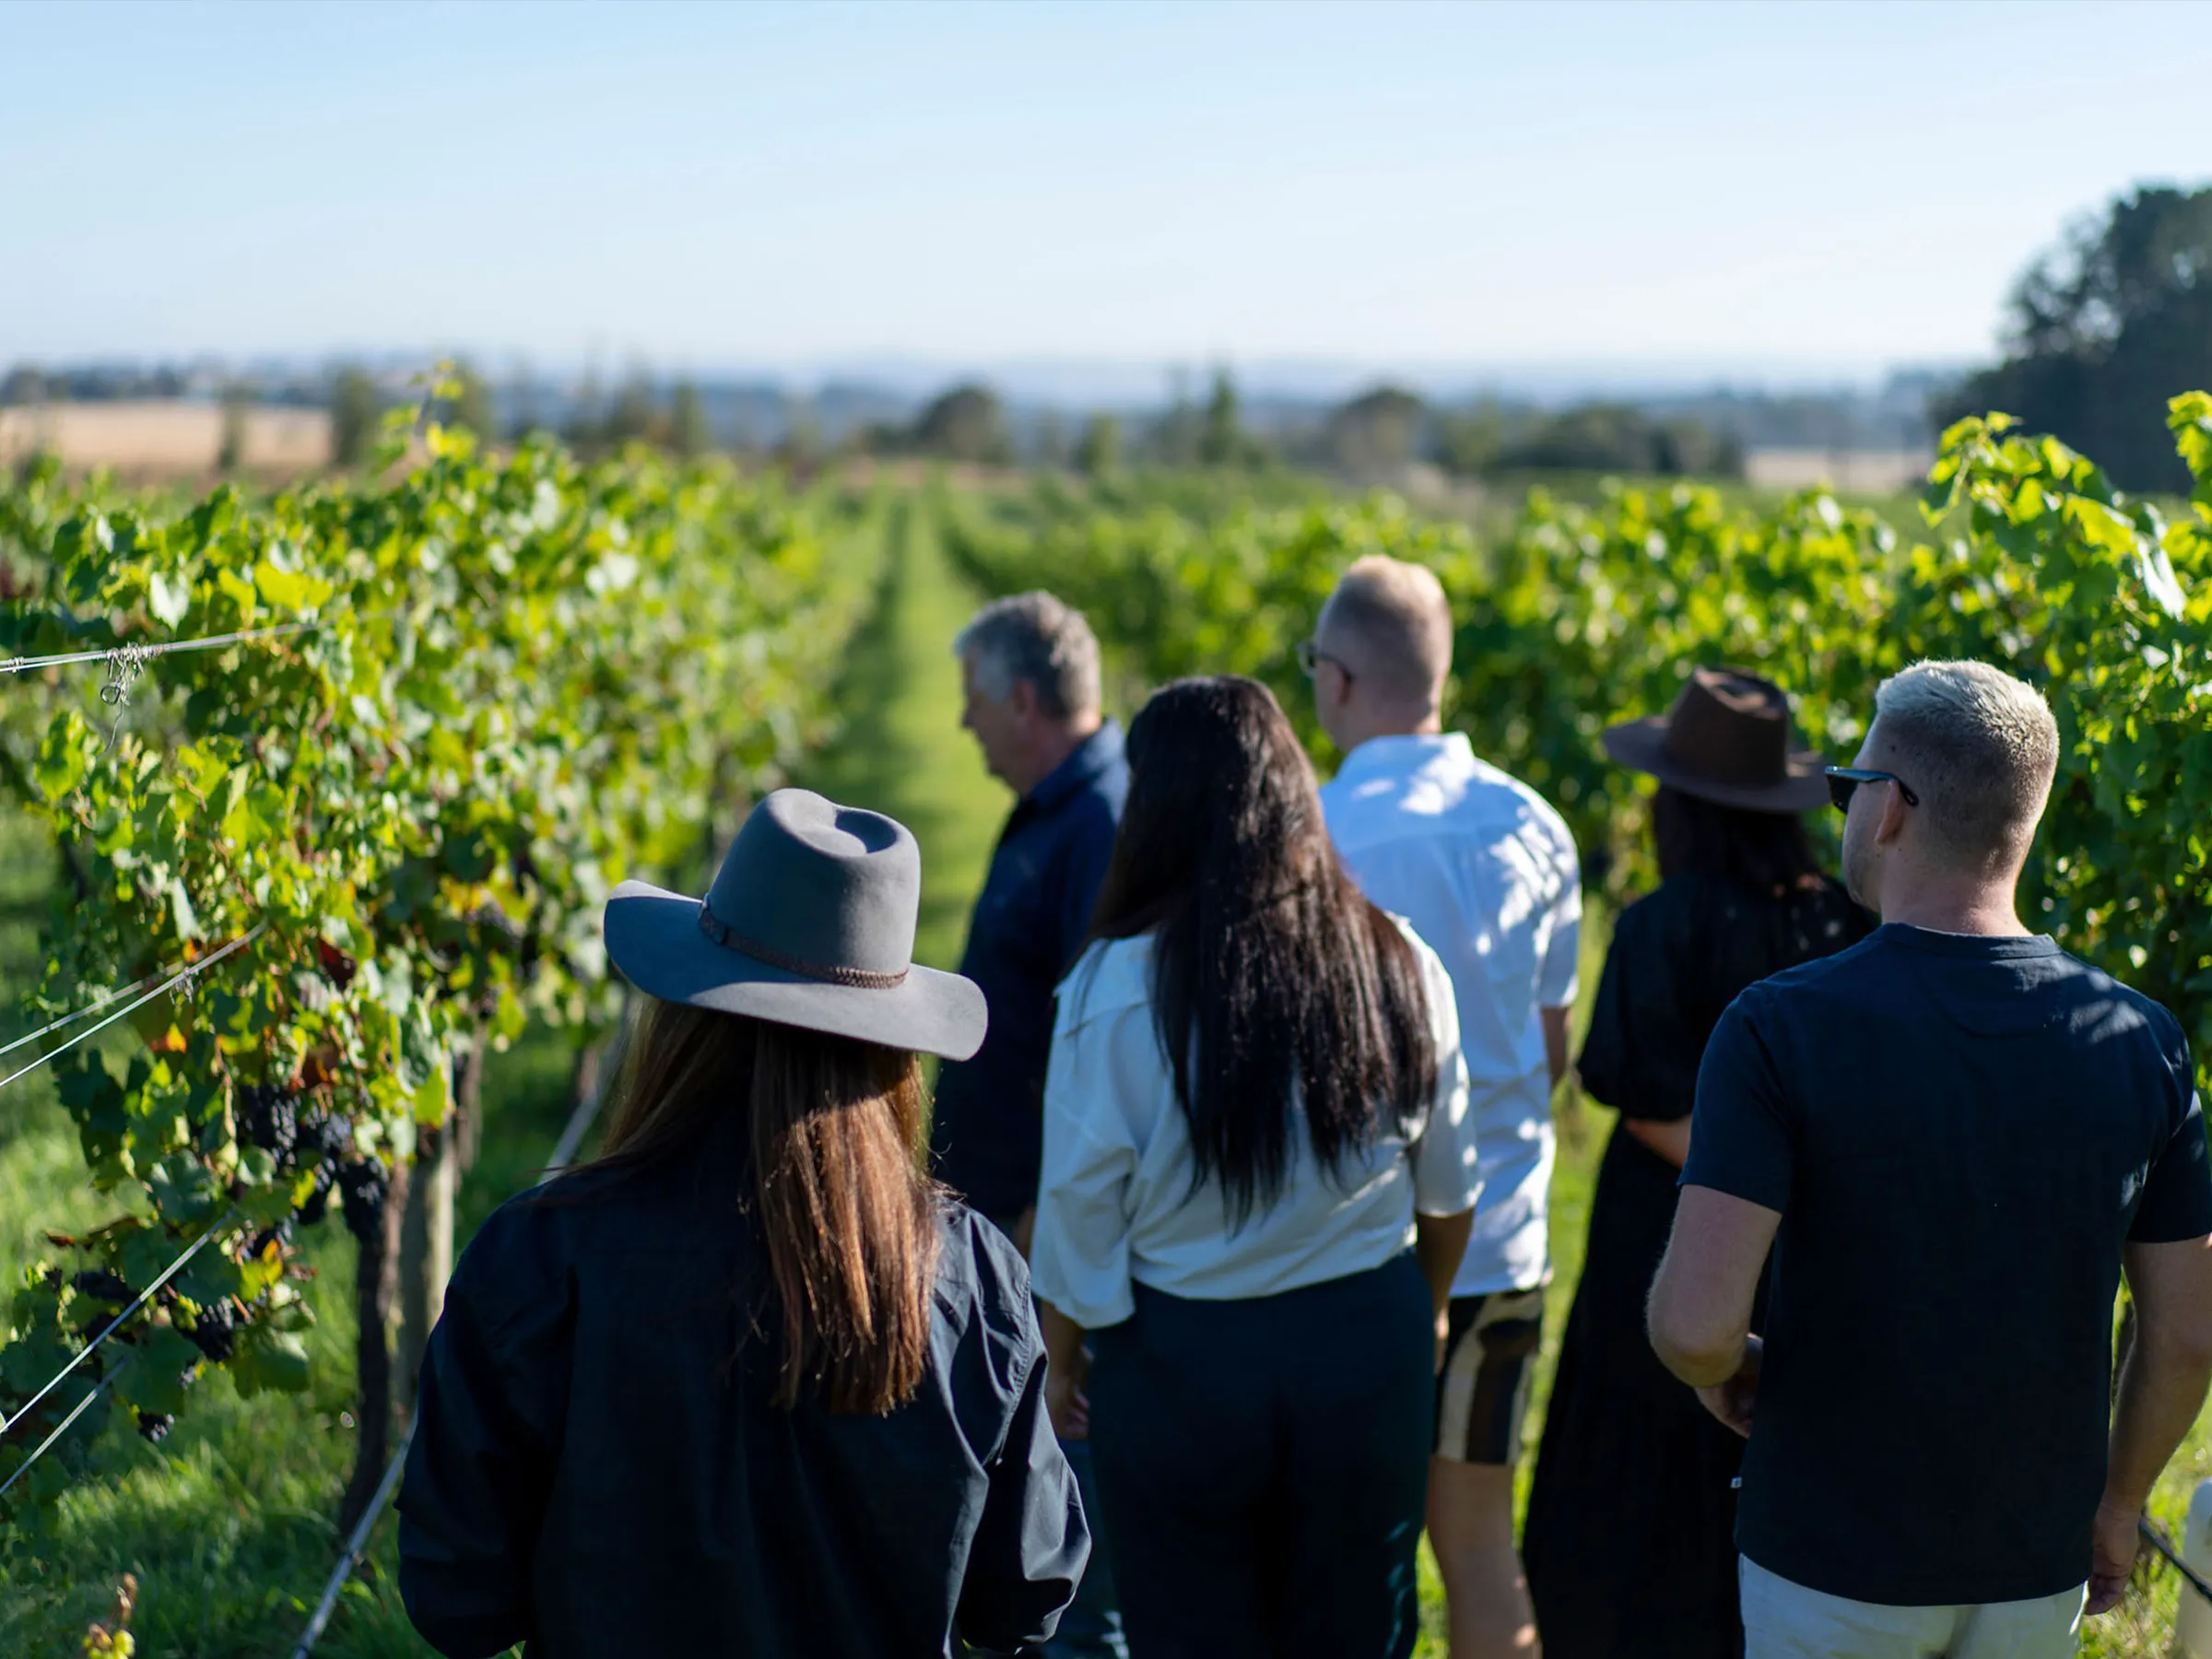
1029,925
592,1473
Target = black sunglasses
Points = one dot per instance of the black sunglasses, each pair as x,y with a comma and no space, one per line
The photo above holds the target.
1311,656
1842,780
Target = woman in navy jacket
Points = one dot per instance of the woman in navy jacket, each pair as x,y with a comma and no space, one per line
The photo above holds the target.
750,1384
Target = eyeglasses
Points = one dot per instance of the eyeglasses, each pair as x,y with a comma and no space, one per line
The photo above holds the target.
1842,780
1311,657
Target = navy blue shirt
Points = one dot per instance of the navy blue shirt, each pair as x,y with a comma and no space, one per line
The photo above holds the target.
598,1467
1961,1132
1029,925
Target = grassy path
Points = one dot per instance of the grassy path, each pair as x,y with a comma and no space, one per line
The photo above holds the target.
902,751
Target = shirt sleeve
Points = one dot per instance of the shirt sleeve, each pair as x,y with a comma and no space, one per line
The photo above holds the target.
1032,1542
2177,1191
1079,1253
1744,1136
1447,1175
1557,980
488,1411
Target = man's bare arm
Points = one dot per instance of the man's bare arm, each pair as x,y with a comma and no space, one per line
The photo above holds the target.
1700,1314
1555,1040
2161,1389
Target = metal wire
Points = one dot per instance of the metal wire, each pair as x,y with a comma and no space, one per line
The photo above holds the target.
62,1427
128,657
116,1323
187,975
2155,1537
54,1025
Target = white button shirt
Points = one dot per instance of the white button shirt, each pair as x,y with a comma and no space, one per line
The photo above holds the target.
1486,872
1115,1204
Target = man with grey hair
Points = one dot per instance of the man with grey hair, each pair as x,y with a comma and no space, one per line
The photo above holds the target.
1955,1138
1486,872
1030,670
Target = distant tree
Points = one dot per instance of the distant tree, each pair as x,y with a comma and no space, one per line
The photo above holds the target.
964,424
1616,437
23,384
1098,451
237,401
1174,438
689,433
1222,440
2103,329
472,407
1377,432
585,429
357,409
634,415
1467,440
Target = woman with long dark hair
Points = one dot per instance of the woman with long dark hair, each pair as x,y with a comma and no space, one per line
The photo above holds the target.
1629,1540
1258,1179
750,1382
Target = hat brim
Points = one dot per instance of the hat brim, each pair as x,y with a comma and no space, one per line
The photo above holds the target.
652,936
1641,745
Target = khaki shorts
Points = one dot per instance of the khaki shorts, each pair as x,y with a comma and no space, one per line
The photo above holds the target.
1489,1361
1785,1621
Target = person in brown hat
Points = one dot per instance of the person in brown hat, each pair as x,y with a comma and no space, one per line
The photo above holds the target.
1629,1541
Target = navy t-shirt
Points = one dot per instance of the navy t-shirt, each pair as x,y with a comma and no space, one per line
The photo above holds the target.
1961,1132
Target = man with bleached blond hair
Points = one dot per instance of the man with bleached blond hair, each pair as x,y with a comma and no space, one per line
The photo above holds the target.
1954,1138
1486,872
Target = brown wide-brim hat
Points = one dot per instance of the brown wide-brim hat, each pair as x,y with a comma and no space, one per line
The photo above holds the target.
1728,740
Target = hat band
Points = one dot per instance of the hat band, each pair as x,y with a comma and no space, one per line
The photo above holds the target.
833,973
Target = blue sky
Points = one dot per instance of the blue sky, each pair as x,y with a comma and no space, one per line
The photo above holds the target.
1774,189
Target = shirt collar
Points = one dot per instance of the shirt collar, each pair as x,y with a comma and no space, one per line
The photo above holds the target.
1094,755
1402,756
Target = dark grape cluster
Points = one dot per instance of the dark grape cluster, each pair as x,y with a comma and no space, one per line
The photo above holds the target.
268,1117
361,1187
153,1427
214,1330
280,1234
102,1285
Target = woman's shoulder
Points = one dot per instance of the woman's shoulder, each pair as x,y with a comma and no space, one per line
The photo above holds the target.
984,1288
1110,975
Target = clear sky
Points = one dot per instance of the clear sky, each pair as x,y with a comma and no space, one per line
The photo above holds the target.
1755,187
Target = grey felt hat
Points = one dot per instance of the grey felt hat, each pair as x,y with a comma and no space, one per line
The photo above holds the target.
810,922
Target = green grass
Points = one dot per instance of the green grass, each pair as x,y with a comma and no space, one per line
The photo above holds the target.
226,1525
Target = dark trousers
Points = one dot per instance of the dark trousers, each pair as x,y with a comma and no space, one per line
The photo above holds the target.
1263,1466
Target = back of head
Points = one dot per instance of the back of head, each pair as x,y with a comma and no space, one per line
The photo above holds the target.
824,1160
1393,623
1035,637
1270,968
1978,749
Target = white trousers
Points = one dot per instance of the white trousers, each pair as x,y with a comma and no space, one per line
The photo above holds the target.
1785,1621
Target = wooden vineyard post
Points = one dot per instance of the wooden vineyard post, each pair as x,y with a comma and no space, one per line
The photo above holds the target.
375,1279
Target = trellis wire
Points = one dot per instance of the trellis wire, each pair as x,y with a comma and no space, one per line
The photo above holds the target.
113,1325
62,1427
357,1543
54,1025
189,972
2155,1537
129,654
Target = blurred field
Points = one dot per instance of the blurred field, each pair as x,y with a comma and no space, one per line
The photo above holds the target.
167,439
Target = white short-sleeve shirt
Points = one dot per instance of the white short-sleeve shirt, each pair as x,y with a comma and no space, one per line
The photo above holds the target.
1115,1204
1486,872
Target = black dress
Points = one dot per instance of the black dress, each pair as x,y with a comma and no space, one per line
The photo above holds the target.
1630,1544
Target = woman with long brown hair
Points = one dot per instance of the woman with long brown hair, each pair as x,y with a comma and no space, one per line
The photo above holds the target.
749,1383
1259,1174
1630,1540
